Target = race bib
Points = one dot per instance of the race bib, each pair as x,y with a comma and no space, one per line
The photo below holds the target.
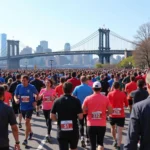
117,111
66,125
97,115
47,99
25,99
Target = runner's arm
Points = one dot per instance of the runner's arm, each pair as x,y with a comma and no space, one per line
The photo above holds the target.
109,107
13,123
74,93
133,130
126,101
53,112
79,110
15,132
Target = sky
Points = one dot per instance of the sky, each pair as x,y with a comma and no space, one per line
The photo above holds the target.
61,21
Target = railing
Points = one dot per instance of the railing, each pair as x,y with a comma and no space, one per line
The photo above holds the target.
65,53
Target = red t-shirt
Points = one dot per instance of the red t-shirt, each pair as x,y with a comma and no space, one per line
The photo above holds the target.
117,100
7,97
59,90
132,86
75,82
140,77
96,105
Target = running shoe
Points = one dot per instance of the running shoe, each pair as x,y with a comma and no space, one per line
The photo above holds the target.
87,143
83,143
48,139
30,136
25,142
37,114
118,148
115,144
20,125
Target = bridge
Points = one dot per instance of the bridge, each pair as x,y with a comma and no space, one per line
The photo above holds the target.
101,48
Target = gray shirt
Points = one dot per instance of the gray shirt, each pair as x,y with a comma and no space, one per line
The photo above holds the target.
7,117
139,126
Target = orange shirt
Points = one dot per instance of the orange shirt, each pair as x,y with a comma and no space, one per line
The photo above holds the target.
132,86
7,97
117,100
59,90
96,105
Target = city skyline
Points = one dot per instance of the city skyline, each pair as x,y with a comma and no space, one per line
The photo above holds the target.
3,44
71,20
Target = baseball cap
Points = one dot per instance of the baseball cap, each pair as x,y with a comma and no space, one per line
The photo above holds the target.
97,84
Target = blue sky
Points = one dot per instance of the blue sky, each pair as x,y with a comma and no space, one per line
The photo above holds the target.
61,21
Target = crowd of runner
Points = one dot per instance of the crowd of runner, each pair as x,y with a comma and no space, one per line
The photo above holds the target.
81,101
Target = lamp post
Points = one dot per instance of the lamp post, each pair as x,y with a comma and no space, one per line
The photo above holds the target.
51,63
130,65
26,65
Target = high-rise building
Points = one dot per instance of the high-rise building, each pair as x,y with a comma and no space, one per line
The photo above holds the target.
3,44
26,50
67,47
44,44
39,49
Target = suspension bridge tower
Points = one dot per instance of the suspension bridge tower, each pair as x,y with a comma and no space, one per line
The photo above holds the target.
12,50
104,45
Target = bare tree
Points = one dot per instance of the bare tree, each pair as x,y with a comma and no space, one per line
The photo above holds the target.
143,32
142,51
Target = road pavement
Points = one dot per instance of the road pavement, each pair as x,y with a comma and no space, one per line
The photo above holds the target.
39,129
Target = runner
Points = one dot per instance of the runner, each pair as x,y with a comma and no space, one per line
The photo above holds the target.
90,83
95,106
59,89
75,82
7,95
81,92
16,107
38,85
68,108
48,95
105,85
139,94
131,86
117,100
24,95
7,117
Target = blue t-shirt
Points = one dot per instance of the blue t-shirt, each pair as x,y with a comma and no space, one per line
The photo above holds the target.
82,91
111,81
94,80
25,95
2,80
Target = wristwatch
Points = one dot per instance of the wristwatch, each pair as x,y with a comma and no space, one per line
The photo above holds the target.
17,142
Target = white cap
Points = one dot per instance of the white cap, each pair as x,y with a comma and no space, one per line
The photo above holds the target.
97,84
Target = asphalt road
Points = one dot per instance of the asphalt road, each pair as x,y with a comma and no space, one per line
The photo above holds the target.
39,130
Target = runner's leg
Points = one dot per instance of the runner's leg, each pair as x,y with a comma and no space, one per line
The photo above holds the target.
92,136
119,135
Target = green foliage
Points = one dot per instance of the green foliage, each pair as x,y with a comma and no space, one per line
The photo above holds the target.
127,62
98,65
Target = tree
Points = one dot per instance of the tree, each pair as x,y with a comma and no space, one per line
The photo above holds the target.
142,50
98,65
127,62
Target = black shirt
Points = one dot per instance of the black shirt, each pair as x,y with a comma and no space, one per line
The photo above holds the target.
12,90
139,127
7,117
139,95
105,86
126,80
67,107
38,84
